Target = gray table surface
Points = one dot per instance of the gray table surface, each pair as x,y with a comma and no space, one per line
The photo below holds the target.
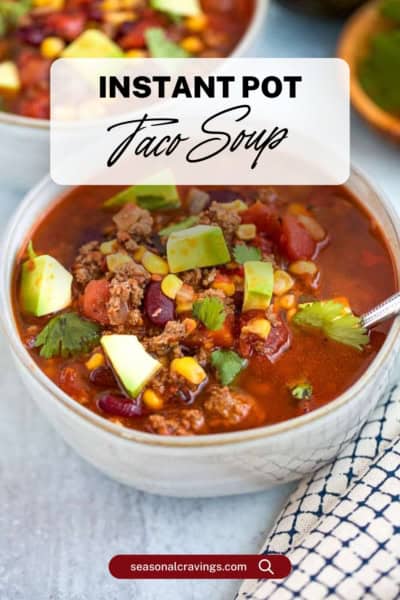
61,521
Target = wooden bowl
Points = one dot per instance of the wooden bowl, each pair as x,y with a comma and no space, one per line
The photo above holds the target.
353,46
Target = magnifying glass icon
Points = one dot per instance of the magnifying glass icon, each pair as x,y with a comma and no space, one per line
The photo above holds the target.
265,566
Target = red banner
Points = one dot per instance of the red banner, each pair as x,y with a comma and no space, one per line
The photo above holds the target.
200,566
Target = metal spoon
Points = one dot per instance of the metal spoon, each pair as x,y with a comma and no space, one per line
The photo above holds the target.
386,310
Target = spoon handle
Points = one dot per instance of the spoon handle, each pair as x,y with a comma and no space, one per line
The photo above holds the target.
386,310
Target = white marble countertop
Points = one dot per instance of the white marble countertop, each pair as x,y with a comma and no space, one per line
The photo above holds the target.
61,521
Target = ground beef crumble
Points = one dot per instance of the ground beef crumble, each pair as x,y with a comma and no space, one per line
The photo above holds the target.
227,407
126,295
185,422
89,264
133,225
161,345
199,278
228,220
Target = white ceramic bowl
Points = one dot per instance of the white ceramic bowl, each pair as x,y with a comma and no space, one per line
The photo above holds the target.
212,465
24,142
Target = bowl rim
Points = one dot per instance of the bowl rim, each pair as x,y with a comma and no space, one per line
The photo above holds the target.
88,417
257,20
347,49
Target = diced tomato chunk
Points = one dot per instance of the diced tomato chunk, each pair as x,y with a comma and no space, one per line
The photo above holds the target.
33,69
94,301
66,26
277,342
223,337
35,105
265,217
295,241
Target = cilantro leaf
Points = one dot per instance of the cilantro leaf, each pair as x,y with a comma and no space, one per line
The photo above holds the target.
380,69
11,12
228,364
211,312
329,316
243,253
391,10
161,47
302,391
185,224
66,335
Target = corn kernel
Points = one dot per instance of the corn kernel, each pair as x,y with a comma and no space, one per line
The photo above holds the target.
303,267
111,5
170,286
153,400
287,301
296,208
246,232
190,369
51,47
192,44
136,54
197,23
50,4
183,307
95,361
228,287
282,282
108,247
138,254
259,327
118,17
117,260
154,263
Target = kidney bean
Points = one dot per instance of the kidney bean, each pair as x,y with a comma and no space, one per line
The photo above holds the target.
185,395
158,307
119,406
31,34
102,377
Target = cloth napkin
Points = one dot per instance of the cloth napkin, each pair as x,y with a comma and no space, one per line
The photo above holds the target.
341,526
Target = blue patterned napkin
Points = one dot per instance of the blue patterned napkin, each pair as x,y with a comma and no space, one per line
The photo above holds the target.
341,527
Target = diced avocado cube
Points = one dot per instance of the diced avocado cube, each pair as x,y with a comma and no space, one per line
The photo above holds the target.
9,78
92,43
160,46
185,8
155,193
196,247
258,285
131,363
45,286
